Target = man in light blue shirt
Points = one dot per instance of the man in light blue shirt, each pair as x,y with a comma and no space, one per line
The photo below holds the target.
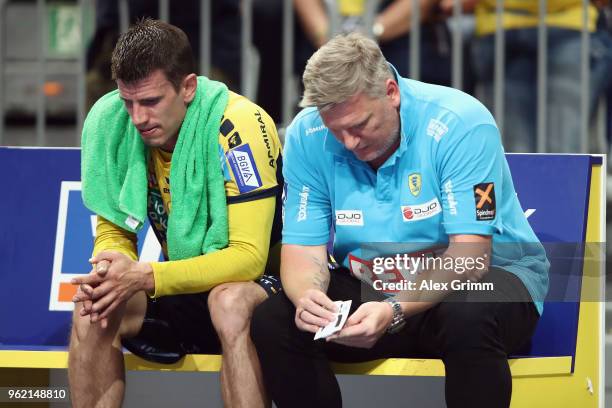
398,171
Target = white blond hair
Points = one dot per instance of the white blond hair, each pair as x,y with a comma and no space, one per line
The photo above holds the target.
345,66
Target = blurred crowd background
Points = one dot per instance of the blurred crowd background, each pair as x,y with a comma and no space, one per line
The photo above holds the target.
541,66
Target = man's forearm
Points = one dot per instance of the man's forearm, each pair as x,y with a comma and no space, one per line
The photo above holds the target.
302,270
432,285
314,20
396,18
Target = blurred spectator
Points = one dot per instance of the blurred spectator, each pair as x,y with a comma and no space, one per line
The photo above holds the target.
225,52
268,40
391,29
564,23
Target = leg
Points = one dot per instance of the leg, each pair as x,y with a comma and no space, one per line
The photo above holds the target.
95,362
231,306
296,368
474,336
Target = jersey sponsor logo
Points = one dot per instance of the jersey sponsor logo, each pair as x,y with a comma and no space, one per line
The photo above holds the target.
303,208
436,129
450,196
74,238
234,140
266,138
243,166
312,130
226,127
484,195
419,212
349,218
414,183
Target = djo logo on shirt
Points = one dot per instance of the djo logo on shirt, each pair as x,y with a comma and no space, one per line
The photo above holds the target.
420,211
349,218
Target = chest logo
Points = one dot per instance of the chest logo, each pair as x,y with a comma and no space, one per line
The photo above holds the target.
349,218
414,183
423,211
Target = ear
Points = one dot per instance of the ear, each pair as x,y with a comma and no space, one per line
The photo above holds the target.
393,92
189,85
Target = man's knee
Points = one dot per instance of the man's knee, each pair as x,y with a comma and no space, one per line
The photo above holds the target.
125,321
231,307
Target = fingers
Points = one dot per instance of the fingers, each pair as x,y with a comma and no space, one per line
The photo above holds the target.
92,280
110,309
102,267
101,304
102,290
108,256
311,319
360,329
323,300
302,325
318,304
83,293
359,314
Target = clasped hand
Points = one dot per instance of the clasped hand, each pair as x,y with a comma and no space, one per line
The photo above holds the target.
113,280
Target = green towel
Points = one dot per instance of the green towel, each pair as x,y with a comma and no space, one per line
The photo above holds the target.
114,172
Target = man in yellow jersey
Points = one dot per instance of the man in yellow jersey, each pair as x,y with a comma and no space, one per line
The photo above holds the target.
193,302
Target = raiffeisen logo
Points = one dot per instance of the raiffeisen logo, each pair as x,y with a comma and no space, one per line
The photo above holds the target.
76,227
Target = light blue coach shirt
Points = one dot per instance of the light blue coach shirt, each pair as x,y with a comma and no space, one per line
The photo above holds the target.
448,176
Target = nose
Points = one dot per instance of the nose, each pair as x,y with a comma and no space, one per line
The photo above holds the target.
349,140
139,115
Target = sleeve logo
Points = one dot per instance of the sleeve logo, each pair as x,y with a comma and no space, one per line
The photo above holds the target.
484,195
243,166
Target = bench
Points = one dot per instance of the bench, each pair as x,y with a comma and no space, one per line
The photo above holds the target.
46,236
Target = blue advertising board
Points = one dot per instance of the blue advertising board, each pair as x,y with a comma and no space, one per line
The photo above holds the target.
46,237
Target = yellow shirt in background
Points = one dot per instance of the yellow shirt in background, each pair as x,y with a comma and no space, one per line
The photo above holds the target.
524,14
247,135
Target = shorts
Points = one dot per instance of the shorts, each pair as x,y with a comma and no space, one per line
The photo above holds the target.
180,324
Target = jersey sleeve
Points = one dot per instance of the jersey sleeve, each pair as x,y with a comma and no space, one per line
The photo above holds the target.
110,237
243,259
470,170
307,207
249,151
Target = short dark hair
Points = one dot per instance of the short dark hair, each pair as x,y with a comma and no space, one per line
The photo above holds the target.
149,45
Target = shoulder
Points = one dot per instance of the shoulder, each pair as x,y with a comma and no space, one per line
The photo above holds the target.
451,107
307,130
246,123
249,147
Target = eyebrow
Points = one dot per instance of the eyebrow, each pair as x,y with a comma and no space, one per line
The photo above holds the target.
143,100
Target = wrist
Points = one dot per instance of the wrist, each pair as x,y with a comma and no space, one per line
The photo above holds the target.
147,277
398,320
